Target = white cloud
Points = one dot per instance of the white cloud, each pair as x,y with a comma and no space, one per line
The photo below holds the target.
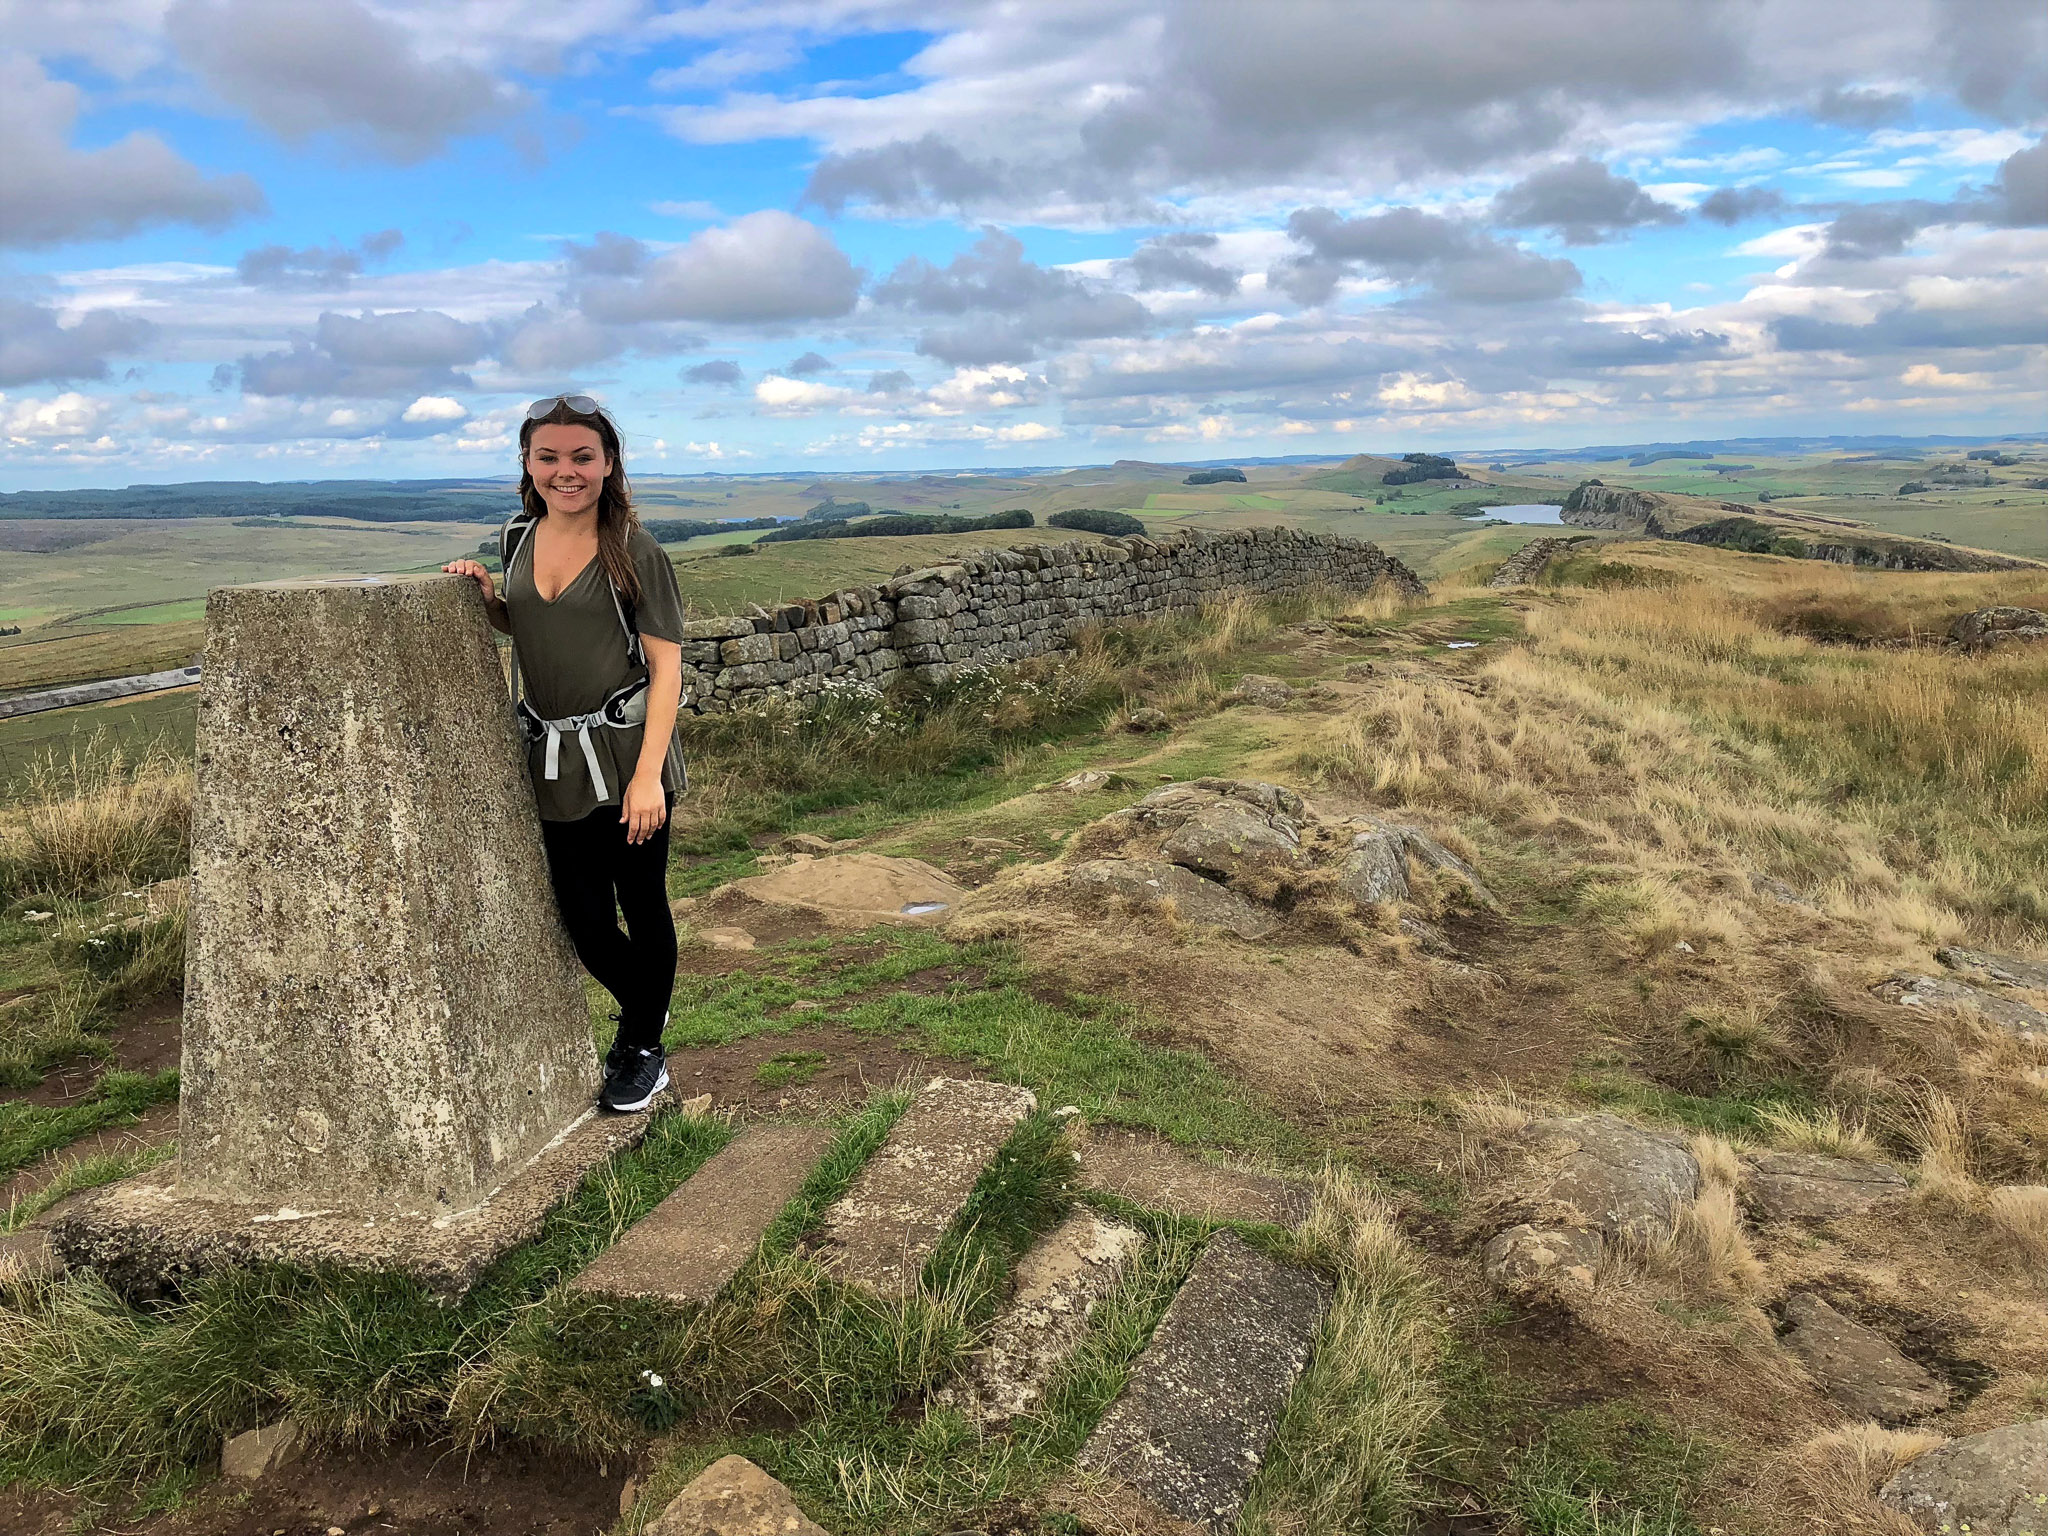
778,395
69,415
435,408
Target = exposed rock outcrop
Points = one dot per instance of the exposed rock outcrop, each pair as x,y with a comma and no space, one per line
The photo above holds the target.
1988,628
1533,1257
1810,1186
1857,1366
2029,1024
1620,1178
1993,1484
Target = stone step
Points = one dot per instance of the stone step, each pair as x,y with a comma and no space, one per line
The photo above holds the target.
889,1222
1192,1425
688,1247
1057,1285
1160,1176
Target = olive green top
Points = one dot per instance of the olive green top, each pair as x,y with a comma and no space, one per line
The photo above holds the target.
572,657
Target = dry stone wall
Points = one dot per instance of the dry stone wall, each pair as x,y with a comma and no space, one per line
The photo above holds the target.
1002,605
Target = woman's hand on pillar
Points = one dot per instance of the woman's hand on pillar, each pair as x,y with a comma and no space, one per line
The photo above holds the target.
472,568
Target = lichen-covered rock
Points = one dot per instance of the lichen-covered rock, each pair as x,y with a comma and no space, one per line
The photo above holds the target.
1531,1256
2029,1024
1993,1484
733,1497
1625,1180
1857,1366
1195,900
1266,692
1228,838
2008,970
1148,719
28,1257
1811,1186
1987,628
1375,870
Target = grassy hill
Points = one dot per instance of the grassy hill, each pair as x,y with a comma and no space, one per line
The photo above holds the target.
1717,802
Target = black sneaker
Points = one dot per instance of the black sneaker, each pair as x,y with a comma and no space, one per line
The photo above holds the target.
615,1057
641,1075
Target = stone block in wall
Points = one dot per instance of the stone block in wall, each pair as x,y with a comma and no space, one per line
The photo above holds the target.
747,649
787,645
716,629
753,674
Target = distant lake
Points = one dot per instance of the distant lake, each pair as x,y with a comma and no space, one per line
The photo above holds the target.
1527,512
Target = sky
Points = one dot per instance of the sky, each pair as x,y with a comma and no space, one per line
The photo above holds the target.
305,239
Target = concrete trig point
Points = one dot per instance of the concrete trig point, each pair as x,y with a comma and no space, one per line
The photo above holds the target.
387,1056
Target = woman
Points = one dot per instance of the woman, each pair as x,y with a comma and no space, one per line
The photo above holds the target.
596,623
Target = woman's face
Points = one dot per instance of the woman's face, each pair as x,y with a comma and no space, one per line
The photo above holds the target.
568,466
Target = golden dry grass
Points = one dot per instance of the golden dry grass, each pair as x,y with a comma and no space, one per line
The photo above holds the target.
1825,1129
1830,1479
2019,1212
96,821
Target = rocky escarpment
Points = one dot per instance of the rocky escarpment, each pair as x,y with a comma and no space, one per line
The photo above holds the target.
1002,605
1754,530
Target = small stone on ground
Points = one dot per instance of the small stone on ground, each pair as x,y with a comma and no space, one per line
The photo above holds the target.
1529,1256
1857,1366
1192,1426
259,1452
1148,1171
733,1497
880,1232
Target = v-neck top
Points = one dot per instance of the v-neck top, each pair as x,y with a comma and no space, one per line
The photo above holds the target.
573,656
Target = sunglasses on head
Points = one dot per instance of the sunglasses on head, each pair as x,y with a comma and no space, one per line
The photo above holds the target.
582,405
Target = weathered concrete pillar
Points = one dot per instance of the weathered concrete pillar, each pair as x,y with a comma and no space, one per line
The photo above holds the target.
380,1005
387,1056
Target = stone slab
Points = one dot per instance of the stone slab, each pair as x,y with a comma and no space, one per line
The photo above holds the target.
688,1247
1535,1257
147,1234
733,1497
1057,1285
888,1223
1993,1484
1160,1176
1857,1366
1811,1186
1203,1400
94,693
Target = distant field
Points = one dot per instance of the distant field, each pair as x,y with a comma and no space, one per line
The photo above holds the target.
116,595
168,718
49,660
154,566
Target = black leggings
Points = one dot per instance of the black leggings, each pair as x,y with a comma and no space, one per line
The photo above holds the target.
597,874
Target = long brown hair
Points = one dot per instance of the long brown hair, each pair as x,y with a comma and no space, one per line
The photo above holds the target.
616,518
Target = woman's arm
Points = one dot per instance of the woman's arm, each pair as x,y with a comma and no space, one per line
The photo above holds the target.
494,605
641,807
